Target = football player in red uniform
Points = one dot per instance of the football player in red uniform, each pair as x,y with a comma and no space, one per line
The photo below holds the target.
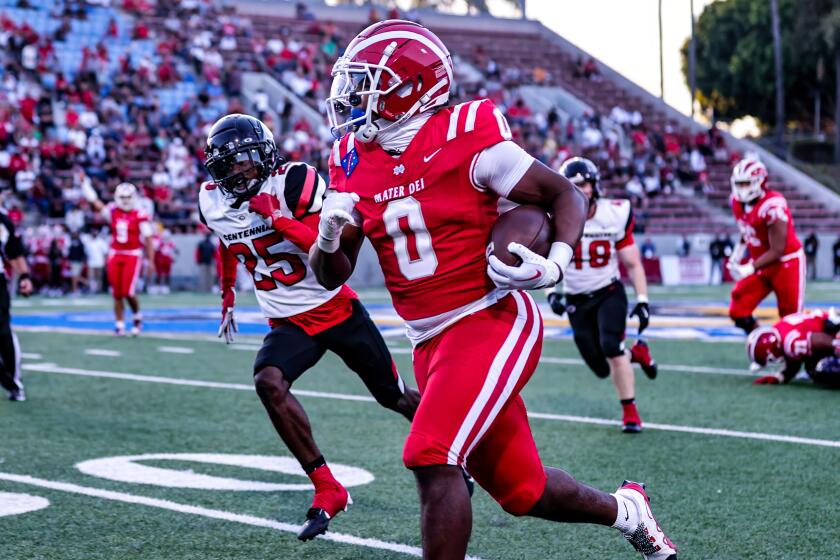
165,253
775,259
810,339
422,181
131,234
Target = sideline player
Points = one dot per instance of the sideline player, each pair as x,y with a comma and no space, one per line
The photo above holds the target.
251,205
595,298
165,253
11,250
422,181
131,233
776,261
810,339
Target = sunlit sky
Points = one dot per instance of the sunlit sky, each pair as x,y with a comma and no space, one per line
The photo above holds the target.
623,34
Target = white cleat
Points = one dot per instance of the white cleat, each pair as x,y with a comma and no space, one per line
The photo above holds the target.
647,536
137,327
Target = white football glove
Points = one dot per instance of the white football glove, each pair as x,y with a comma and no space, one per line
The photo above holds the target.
228,327
739,271
535,271
336,212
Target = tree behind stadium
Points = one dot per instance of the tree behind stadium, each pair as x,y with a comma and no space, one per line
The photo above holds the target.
735,69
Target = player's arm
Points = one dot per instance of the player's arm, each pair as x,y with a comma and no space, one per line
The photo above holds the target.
89,194
227,283
302,233
333,257
333,268
777,233
824,344
562,200
146,235
631,258
510,172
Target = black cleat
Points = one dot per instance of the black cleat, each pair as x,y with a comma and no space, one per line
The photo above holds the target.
631,428
317,522
640,354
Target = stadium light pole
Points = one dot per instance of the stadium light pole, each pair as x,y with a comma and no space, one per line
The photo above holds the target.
692,61
661,63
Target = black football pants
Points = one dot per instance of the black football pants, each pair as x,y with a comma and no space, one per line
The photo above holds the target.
9,352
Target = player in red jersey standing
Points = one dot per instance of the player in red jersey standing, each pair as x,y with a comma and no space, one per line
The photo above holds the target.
131,234
776,262
422,182
165,252
809,338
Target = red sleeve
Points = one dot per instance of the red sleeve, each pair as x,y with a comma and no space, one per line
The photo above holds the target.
227,262
627,240
302,233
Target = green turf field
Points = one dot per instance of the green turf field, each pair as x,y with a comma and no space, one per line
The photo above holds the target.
726,493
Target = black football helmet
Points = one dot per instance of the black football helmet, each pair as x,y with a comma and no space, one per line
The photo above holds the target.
580,170
235,139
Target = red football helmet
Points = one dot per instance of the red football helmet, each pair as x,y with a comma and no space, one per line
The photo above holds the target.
749,179
764,346
392,70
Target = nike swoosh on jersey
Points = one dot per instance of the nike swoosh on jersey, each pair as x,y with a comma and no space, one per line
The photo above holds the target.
428,158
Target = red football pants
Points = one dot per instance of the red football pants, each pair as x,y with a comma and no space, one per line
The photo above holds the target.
785,278
123,271
470,413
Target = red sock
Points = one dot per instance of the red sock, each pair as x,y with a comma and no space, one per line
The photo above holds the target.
628,408
330,495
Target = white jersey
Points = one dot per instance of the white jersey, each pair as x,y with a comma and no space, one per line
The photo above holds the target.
595,262
283,282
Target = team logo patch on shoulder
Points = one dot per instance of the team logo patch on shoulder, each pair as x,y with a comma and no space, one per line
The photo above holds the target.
349,162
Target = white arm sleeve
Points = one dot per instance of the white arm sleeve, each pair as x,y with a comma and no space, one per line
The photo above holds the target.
499,167
145,230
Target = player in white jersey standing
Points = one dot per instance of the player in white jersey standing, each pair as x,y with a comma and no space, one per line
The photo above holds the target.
266,216
594,295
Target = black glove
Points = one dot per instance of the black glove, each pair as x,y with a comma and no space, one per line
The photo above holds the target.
642,311
555,300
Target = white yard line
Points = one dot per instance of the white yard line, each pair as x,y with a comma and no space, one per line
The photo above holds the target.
30,356
52,368
103,352
690,430
662,367
176,350
206,512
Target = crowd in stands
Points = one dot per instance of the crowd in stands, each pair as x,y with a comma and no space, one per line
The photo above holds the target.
118,115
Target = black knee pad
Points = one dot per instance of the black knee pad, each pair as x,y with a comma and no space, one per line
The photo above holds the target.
612,345
746,324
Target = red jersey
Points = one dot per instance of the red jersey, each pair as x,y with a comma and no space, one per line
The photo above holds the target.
754,221
427,221
128,229
165,250
795,331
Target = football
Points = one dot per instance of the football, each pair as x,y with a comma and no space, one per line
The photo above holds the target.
526,224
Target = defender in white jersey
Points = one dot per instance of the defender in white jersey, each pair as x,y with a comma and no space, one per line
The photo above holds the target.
594,295
265,215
